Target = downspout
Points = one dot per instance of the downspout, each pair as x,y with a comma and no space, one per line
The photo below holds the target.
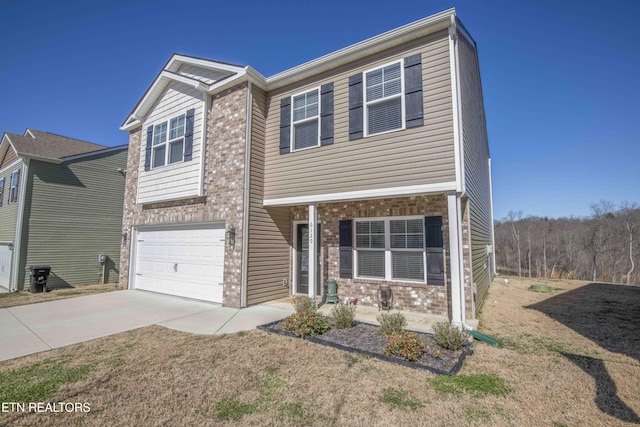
247,188
19,221
457,296
493,230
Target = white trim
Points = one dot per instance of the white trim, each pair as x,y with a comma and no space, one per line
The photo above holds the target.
493,231
200,62
363,194
246,199
292,148
313,250
12,164
18,234
455,98
366,103
28,131
203,140
455,258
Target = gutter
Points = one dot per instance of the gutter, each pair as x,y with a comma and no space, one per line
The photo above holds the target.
19,221
245,208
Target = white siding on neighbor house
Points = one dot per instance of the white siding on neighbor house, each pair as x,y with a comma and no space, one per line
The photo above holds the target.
202,74
178,180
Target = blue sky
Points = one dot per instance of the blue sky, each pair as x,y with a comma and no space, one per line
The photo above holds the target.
560,79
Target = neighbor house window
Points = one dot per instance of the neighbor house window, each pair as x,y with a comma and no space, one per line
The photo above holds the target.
391,249
13,186
305,120
383,99
168,141
1,190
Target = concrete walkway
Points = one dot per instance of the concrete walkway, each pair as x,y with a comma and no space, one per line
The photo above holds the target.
34,328
44,326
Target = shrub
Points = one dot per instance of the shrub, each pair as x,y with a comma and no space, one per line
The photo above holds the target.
306,322
390,323
449,336
407,345
303,303
343,315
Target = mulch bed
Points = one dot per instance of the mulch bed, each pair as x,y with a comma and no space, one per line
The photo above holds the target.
365,338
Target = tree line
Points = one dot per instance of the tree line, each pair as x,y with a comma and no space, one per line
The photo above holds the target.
604,246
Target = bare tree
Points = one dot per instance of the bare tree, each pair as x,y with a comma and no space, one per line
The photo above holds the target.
515,234
631,218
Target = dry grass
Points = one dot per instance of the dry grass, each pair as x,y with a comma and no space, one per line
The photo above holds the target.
25,297
555,375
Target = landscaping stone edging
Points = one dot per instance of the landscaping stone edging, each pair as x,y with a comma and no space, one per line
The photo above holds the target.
268,327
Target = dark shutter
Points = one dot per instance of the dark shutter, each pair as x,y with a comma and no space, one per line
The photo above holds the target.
326,114
188,135
346,249
414,114
147,150
435,254
356,109
433,232
285,125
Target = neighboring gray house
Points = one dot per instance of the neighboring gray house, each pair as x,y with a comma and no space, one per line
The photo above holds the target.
60,205
371,161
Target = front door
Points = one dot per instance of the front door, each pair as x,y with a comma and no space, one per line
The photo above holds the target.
302,259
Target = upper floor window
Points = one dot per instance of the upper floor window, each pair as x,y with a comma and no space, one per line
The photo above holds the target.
383,99
168,141
386,98
305,120
1,190
13,186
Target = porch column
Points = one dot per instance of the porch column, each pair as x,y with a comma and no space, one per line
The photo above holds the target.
455,253
313,250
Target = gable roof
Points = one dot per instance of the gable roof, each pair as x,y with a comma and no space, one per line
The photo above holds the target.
224,75
48,146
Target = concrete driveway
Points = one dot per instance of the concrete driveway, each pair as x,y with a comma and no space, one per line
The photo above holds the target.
40,327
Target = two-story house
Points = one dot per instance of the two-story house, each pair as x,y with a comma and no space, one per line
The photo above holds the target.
60,206
369,165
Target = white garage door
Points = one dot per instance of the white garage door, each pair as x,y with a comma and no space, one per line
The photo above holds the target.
5,266
187,262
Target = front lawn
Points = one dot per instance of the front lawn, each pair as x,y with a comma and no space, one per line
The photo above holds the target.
551,372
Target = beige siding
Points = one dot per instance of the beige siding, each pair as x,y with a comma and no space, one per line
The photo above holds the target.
417,156
178,180
9,211
9,157
476,166
74,212
268,260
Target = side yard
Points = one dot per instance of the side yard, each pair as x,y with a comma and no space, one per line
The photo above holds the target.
14,299
571,357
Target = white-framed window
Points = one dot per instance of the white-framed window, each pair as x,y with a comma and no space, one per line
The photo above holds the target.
384,99
305,120
13,186
1,190
168,141
390,249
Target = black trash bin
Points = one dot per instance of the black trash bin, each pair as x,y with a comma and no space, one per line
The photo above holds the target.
39,275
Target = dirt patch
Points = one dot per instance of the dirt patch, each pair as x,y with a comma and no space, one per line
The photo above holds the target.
154,376
14,299
365,338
